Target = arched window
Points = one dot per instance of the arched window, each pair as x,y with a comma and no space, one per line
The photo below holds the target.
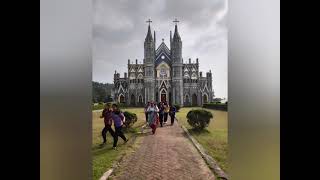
140,76
205,98
193,76
194,100
140,100
132,100
187,99
121,98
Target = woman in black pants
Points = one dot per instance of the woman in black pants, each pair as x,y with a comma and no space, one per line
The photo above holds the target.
161,113
118,119
172,114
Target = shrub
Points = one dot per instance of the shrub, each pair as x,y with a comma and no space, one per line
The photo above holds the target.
97,106
131,118
177,107
121,105
100,103
222,107
199,118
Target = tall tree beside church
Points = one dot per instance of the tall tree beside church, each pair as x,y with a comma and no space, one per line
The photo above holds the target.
101,92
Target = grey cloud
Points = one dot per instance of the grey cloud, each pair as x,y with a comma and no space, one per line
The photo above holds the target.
119,30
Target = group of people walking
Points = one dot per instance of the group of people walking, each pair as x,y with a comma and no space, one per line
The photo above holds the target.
155,114
113,114
158,113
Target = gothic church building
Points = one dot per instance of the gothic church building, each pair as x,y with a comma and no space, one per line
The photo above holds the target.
163,76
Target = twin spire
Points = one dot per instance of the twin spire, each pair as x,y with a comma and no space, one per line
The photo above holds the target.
149,35
176,35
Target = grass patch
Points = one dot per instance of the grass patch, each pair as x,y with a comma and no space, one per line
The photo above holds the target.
98,106
104,157
214,138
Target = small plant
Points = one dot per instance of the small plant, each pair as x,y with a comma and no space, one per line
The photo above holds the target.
177,107
131,118
199,118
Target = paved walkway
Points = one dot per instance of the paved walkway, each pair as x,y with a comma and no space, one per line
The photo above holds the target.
166,155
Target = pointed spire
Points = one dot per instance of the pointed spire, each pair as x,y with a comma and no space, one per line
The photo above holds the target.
176,33
149,35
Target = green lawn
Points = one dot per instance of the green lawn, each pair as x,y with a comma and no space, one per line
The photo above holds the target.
104,157
214,138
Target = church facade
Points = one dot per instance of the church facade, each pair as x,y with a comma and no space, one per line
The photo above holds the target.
163,76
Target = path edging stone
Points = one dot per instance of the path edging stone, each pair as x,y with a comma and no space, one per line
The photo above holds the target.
213,165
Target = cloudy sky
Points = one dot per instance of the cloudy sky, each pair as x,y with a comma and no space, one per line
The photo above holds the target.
120,27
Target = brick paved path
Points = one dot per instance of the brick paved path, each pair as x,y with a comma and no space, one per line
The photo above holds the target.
166,155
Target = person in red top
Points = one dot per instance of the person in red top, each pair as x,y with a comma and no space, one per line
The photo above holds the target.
107,115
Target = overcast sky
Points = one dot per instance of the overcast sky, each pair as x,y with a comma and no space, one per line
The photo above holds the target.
120,27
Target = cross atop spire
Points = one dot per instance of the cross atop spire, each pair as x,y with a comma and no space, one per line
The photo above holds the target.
176,21
176,35
149,35
149,21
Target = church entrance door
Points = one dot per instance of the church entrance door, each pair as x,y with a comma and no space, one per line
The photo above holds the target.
163,97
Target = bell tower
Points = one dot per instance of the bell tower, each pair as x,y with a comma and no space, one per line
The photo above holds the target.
149,60
177,65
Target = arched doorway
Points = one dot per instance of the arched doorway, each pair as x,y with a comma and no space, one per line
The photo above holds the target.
205,98
132,100
140,100
187,100
121,98
194,100
163,95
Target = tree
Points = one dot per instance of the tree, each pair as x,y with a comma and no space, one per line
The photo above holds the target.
217,100
101,92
